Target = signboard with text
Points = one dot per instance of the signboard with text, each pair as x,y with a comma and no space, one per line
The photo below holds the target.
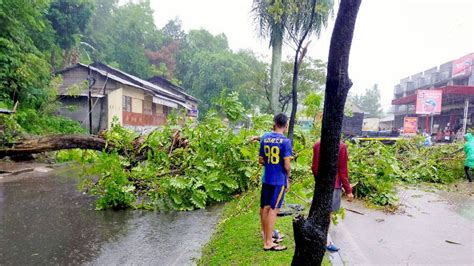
463,66
410,125
193,112
428,102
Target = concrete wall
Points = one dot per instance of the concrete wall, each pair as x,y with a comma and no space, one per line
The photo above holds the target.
138,96
77,77
371,124
77,108
114,106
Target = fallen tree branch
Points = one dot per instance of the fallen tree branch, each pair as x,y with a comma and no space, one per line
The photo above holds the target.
54,143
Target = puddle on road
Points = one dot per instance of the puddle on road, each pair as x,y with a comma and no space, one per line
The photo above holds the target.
45,220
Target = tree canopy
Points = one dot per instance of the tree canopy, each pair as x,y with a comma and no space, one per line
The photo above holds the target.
369,101
38,39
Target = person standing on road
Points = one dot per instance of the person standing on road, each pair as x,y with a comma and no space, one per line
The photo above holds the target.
469,151
275,155
342,180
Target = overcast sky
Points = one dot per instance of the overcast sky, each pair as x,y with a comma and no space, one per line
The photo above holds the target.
393,38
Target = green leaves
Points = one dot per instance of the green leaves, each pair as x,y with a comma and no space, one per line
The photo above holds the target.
230,105
69,19
377,168
185,169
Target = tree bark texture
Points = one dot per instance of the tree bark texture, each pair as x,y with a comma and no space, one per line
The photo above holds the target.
275,71
311,233
53,143
86,142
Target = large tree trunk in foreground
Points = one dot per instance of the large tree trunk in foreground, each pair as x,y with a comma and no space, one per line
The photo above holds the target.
53,143
311,233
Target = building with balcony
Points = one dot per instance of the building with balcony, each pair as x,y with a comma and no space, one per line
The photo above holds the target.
456,81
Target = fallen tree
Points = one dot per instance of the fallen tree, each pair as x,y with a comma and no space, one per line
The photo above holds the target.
53,143
28,146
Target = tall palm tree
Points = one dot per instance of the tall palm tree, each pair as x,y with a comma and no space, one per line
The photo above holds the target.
270,16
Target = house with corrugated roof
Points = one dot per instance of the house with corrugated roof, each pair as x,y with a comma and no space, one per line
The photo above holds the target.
135,103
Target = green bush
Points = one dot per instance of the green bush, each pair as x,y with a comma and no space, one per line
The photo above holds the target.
36,123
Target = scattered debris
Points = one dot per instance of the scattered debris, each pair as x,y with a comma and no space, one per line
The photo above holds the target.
452,242
380,220
290,209
301,198
354,211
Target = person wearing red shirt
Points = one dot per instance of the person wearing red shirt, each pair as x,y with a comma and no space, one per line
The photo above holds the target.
342,180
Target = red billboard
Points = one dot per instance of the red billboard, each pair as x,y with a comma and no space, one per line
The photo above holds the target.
410,125
428,102
463,66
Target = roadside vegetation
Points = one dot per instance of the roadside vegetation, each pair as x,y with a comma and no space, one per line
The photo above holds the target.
376,168
237,240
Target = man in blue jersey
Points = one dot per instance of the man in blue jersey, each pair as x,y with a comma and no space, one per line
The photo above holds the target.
275,155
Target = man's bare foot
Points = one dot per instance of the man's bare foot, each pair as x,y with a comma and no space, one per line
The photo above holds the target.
275,248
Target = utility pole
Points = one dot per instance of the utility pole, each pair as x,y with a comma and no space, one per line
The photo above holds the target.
466,109
91,82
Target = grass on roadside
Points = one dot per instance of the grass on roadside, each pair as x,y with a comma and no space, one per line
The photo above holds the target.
237,239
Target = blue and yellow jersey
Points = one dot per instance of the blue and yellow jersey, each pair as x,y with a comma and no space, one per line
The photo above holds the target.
274,147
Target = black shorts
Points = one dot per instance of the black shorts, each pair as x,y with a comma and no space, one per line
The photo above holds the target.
272,195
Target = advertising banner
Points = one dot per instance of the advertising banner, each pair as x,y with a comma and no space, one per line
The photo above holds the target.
463,66
410,125
428,102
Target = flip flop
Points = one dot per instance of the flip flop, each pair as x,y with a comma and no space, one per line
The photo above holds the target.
332,248
275,248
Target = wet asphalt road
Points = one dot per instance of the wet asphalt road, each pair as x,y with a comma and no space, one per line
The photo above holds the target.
431,228
45,220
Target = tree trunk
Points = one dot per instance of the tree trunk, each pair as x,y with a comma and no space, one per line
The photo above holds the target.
294,96
311,233
89,142
299,56
53,143
275,74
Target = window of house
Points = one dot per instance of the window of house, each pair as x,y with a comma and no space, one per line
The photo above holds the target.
461,82
127,103
166,110
147,108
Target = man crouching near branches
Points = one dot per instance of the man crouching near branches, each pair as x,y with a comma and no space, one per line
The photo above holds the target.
275,154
